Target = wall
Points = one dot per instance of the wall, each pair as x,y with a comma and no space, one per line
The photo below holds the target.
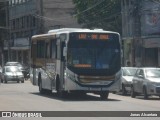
58,13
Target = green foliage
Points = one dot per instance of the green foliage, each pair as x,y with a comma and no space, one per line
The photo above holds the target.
104,14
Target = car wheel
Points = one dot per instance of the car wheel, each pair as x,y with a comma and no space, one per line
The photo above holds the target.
124,92
17,81
145,93
5,81
22,81
133,93
104,95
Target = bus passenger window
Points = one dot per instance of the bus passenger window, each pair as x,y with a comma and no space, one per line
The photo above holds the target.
40,49
53,49
47,50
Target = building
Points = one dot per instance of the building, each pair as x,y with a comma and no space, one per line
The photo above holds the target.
141,32
30,17
3,28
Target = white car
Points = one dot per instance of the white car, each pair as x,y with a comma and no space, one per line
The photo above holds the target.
147,82
126,79
12,73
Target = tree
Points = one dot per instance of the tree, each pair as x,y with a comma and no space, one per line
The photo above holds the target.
104,14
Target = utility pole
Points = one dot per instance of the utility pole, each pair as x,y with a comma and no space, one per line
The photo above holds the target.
136,29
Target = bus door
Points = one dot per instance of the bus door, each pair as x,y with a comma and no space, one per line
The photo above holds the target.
60,63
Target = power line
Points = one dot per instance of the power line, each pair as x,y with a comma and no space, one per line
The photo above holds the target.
157,2
98,11
84,17
106,18
47,18
90,8
50,19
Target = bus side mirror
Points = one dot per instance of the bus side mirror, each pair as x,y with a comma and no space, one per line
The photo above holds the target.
65,51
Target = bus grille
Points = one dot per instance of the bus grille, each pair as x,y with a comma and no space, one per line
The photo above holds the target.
92,79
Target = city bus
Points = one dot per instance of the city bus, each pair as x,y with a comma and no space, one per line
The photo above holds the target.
75,60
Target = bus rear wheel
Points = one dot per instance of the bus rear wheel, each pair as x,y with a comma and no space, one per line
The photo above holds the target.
104,95
41,90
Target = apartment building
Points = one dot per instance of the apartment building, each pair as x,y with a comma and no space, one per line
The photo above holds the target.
3,28
30,17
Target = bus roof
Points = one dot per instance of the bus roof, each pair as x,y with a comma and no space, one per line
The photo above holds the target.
43,36
68,30
52,33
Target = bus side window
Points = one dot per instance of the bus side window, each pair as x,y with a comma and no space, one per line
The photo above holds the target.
58,52
47,50
40,49
33,50
53,49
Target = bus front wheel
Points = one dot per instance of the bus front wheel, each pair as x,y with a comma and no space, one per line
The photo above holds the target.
61,93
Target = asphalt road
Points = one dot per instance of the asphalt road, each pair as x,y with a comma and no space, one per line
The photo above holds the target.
26,97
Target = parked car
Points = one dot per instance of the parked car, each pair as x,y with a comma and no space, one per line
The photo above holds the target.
23,68
12,73
126,79
146,82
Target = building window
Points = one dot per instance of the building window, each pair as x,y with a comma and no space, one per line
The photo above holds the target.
34,21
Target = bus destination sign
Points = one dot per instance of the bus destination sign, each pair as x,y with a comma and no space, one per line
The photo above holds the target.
94,36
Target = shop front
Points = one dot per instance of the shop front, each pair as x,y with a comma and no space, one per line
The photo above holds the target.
151,57
20,50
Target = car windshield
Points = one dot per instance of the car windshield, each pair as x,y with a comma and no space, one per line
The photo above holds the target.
129,71
12,69
153,73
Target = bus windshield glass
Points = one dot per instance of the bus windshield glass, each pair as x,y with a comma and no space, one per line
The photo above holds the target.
93,50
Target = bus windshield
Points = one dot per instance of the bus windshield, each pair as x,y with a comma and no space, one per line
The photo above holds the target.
93,54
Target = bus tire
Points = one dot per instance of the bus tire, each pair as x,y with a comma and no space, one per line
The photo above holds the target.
104,95
41,90
61,93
